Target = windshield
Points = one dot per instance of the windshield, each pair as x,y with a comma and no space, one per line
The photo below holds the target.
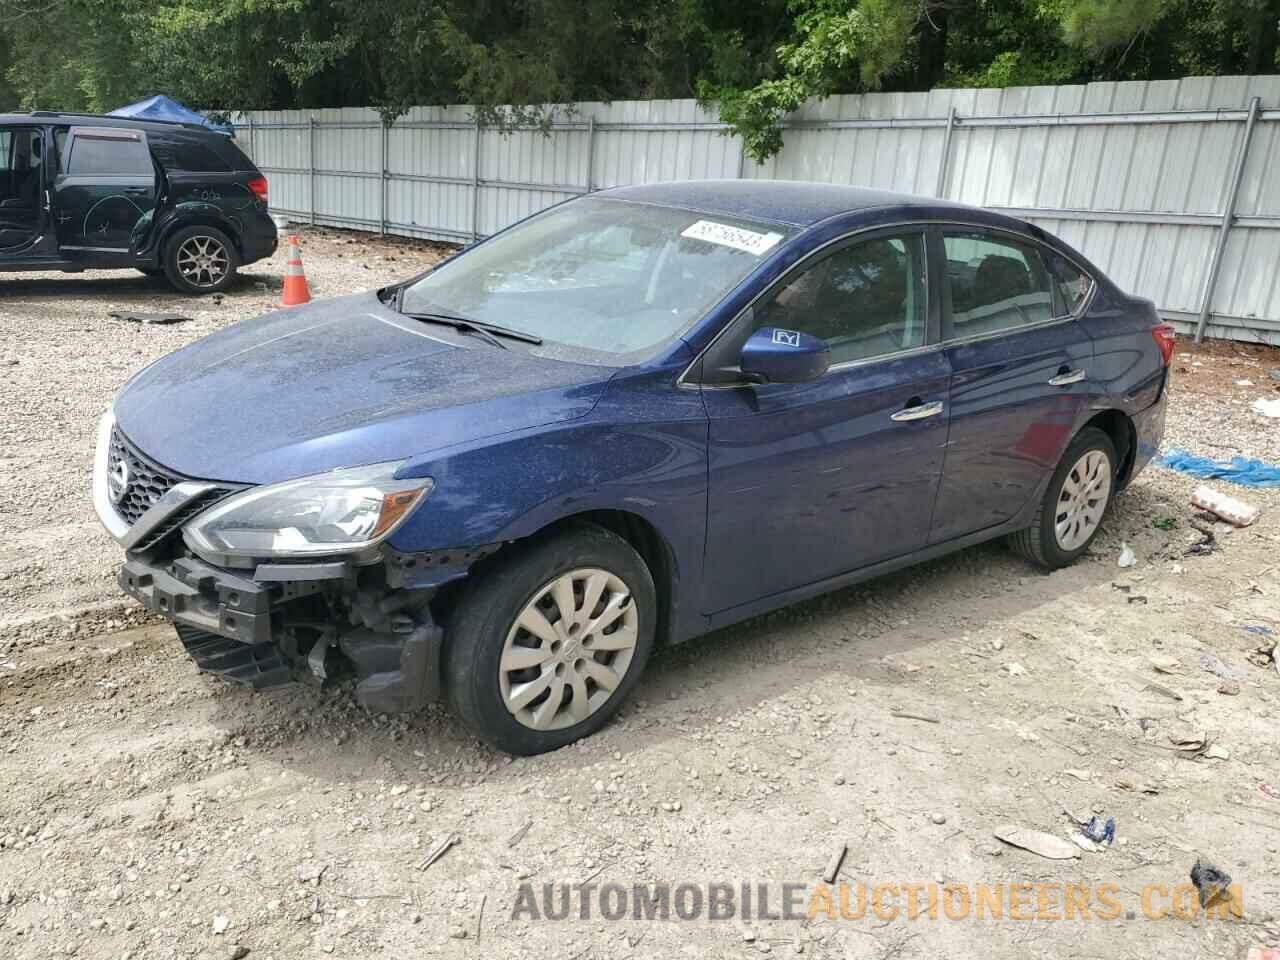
601,275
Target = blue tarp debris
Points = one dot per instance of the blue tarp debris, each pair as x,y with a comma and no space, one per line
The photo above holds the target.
1249,473
161,107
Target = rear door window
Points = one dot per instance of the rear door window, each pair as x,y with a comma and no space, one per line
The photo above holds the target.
189,157
109,153
995,284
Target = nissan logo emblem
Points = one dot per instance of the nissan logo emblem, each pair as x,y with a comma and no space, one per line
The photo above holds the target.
117,480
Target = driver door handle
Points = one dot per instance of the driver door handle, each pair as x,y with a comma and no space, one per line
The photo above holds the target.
1066,377
918,411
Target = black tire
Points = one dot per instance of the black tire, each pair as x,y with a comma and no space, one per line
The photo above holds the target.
486,613
1039,542
175,248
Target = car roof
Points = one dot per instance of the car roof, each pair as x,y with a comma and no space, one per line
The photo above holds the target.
98,120
792,202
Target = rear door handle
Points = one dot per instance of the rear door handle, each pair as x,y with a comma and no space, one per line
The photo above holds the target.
918,411
1066,377
136,189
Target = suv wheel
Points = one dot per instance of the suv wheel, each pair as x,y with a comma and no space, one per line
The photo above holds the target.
200,260
1074,503
546,644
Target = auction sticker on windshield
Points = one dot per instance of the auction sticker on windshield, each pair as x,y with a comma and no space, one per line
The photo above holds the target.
736,237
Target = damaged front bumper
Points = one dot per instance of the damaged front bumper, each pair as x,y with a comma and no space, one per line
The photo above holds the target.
280,624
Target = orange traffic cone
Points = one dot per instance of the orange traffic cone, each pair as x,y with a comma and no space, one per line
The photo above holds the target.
295,281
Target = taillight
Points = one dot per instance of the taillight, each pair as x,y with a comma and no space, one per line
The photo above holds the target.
1163,334
258,185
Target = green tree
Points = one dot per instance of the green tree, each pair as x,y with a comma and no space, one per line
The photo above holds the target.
755,60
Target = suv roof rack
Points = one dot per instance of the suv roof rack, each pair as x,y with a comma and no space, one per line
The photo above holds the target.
102,116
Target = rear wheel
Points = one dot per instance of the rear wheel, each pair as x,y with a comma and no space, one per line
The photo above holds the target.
200,260
546,644
1074,503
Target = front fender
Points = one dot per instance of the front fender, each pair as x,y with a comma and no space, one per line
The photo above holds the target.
623,457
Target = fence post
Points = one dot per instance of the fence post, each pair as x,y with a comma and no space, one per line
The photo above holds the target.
475,185
946,154
1228,215
311,160
742,156
382,181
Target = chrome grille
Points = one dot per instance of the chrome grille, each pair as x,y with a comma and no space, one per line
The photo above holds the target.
176,519
146,484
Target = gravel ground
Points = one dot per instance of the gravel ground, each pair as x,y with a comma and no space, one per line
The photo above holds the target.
149,812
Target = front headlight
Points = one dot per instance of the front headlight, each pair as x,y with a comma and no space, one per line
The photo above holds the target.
344,511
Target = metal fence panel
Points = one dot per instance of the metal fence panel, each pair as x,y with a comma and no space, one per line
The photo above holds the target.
1166,185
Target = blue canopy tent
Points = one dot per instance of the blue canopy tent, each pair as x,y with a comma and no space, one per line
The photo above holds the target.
161,107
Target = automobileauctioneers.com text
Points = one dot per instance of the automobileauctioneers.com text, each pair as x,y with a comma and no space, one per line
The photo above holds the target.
878,901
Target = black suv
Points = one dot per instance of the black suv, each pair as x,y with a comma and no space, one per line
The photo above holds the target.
80,191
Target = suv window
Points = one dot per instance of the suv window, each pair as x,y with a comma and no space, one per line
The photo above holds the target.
866,300
995,285
6,144
106,155
188,156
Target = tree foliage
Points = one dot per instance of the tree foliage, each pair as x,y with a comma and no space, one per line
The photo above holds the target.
756,60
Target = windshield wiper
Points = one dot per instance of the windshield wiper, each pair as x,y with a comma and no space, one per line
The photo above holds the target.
485,330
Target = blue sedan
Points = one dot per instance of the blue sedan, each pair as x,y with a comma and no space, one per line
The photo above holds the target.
625,421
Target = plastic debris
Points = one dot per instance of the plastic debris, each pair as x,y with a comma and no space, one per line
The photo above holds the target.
134,316
1210,881
1247,472
1163,664
439,850
1207,543
1259,630
1269,791
1100,831
1268,408
1221,668
1127,558
1236,512
833,865
1041,844
1165,523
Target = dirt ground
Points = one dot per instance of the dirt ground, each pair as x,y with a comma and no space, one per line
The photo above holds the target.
149,812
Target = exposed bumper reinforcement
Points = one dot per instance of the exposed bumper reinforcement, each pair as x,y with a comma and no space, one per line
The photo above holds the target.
224,620
194,594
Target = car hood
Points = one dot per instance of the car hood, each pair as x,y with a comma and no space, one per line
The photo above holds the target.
338,383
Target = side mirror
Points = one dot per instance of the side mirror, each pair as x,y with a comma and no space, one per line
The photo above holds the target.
774,355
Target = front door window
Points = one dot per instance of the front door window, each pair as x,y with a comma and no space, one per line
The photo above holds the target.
866,300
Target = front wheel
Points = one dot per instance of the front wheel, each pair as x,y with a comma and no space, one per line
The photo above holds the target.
1074,503
200,260
544,645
